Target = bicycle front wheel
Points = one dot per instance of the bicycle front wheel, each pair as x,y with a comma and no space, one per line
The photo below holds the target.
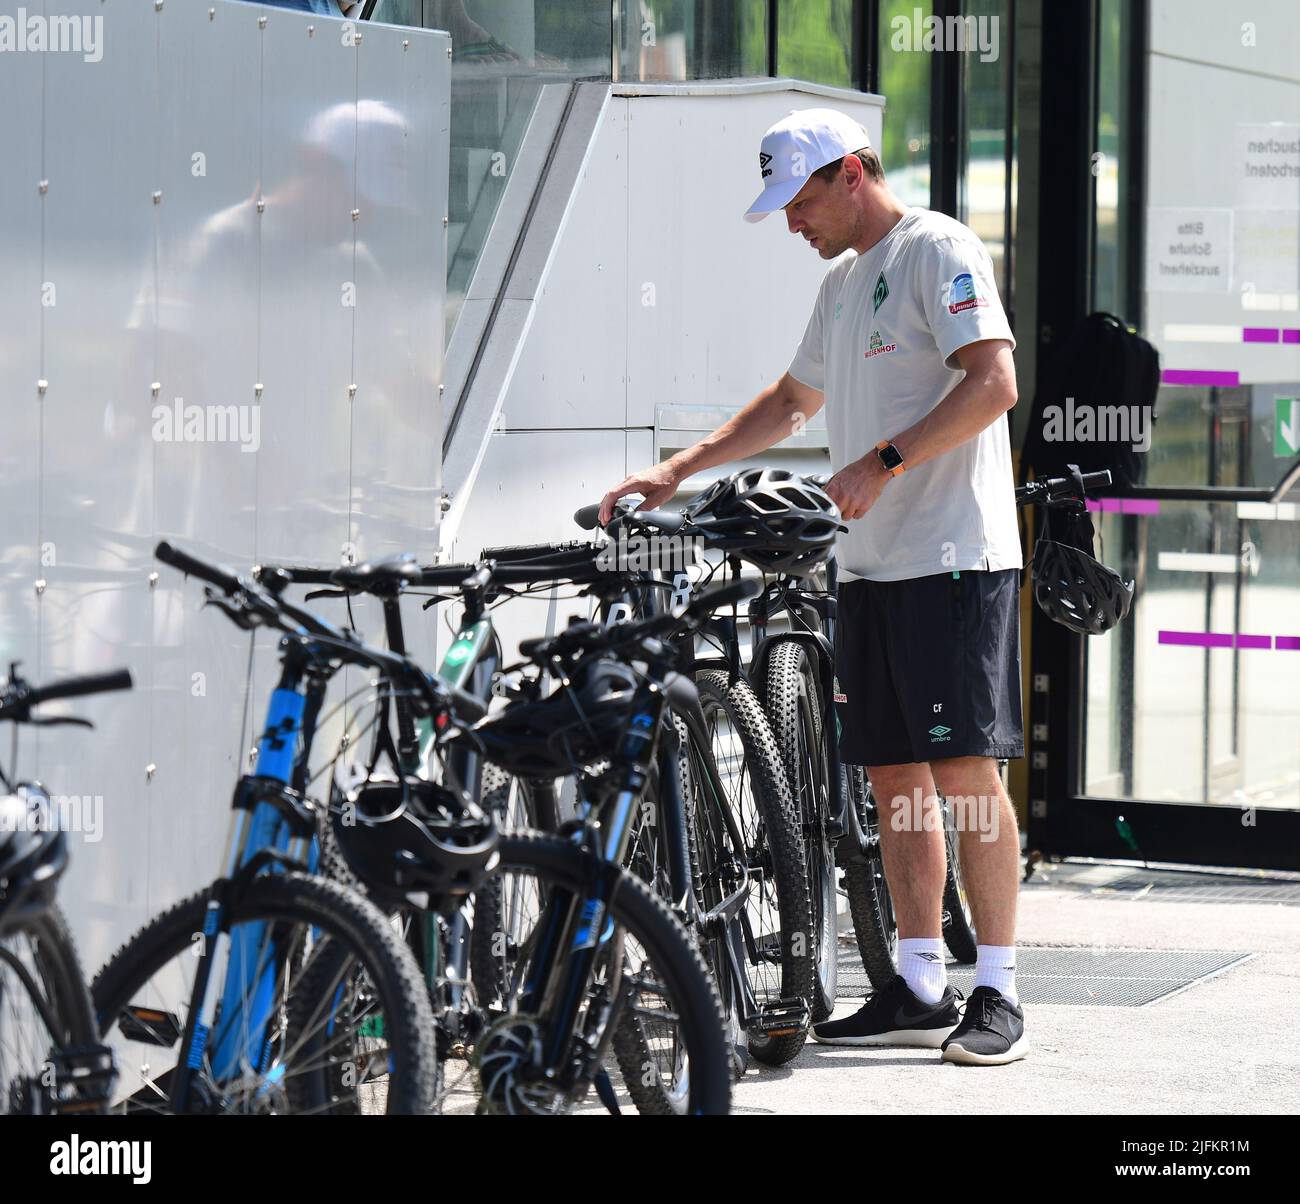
363,1041
45,1014
666,1019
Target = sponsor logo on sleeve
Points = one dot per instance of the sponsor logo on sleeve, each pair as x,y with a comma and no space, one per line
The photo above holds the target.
962,294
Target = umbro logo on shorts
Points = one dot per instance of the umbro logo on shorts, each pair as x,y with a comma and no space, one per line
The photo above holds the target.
939,732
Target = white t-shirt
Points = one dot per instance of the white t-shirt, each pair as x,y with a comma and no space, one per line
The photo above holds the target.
881,344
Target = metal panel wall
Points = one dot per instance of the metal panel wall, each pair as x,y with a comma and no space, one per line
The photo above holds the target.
240,221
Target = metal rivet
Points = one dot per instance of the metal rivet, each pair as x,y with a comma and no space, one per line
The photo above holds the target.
212,14
261,22
157,198
153,580
449,52
44,187
311,30
252,756
155,388
40,586
157,6
440,389
261,206
444,503
42,385
445,220
352,390
356,213
356,39
257,389
406,43
149,771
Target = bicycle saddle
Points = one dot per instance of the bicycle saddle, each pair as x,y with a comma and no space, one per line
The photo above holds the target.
379,576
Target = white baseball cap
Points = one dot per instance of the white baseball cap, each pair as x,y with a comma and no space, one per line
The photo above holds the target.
795,147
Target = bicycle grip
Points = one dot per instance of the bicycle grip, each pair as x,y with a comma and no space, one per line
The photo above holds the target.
724,595
191,566
74,687
588,518
299,575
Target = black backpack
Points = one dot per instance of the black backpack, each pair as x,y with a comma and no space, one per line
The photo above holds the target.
1103,368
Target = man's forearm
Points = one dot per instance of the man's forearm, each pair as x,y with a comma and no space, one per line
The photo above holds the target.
769,418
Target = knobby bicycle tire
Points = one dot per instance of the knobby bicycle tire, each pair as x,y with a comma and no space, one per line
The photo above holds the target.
783,832
870,906
793,699
55,972
647,922
336,914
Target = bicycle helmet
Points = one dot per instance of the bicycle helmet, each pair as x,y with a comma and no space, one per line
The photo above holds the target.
778,521
33,854
575,726
1073,589
412,841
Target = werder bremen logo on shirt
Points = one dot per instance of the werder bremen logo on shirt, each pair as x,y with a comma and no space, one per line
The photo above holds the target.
882,291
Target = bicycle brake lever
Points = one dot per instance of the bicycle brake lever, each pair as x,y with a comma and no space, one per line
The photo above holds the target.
65,720
325,593
239,617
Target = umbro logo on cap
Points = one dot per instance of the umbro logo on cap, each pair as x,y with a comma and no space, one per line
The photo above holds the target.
795,147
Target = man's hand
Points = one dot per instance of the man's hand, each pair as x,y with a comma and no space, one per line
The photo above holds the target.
657,484
855,488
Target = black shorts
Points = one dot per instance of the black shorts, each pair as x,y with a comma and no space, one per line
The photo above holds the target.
929,668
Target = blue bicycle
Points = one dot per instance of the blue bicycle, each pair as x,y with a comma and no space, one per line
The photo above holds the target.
219,1005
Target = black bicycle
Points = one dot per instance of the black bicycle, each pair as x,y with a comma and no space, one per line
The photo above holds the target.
547,995
51,1058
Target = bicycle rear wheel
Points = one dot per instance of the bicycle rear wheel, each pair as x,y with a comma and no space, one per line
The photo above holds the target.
780,947
45,1020
794,704
364,1041
870,906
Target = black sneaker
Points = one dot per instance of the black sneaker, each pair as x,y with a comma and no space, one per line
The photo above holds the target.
991,1032
893,1016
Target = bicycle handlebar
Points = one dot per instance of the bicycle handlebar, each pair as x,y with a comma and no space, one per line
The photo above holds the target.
75,687
1061,489
191,566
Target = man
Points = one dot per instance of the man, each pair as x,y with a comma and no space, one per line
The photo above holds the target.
910,351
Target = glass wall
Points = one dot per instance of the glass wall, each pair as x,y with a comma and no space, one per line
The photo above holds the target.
983,184
692,39
814,41
905,83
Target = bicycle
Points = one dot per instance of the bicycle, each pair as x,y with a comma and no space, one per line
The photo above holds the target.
51,1058
214,987
540,1050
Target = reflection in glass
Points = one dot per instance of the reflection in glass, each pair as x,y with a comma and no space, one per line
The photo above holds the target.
813,41
982,182
684,39
905,80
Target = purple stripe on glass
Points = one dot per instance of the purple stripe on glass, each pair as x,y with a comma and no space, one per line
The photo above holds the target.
1291,336
1123,505
1197,639
1254,641
1260,334
1192,376
1291,642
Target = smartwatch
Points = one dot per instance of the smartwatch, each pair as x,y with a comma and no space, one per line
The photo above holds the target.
890,457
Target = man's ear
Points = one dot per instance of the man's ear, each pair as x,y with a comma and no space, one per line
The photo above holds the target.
853,171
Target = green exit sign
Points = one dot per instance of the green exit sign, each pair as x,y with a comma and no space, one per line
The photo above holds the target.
1286,427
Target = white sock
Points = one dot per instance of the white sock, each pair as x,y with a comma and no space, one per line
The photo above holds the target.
921,963
995,966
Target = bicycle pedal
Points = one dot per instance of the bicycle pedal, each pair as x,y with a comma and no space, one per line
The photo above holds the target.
784,1017
149,1026
84,1078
